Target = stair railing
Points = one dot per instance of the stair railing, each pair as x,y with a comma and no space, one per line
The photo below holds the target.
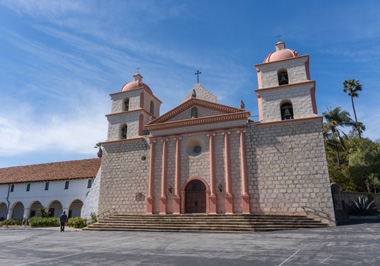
319,213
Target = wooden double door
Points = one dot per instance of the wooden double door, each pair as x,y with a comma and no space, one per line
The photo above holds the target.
195,197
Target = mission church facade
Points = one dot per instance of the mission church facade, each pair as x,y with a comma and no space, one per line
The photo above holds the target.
205,157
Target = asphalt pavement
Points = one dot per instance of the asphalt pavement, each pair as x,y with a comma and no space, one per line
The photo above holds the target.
343,245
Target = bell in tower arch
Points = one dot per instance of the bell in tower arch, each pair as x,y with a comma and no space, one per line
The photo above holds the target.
283,77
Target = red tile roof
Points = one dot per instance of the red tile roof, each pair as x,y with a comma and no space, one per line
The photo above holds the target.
50,171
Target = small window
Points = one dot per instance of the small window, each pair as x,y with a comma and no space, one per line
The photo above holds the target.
124,132
67,184
126,104
47,186
282,75
152,108
287,110
12,188
28,187
194,112
89,183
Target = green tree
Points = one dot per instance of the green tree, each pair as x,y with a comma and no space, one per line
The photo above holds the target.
353,86
364,165
335,119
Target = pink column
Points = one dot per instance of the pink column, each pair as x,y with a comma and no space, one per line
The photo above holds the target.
244,176
212,197
229,199
150,198
163,198
177,196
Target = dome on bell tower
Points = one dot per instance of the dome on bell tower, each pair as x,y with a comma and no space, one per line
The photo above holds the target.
136,84
281,53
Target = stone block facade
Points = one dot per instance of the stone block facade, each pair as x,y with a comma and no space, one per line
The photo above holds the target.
300,96
125,174
296,68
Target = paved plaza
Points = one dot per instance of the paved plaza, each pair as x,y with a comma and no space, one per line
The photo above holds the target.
344,245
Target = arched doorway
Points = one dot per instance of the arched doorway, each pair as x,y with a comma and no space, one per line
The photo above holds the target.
3,211
34,209
54,209
75,209
195,197
18,210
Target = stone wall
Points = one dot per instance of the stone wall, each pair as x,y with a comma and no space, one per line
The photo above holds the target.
287,170
296,72
125,176
202,112
114,123
300,97
118,101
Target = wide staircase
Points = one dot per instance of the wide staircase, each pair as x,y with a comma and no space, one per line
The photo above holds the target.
203,223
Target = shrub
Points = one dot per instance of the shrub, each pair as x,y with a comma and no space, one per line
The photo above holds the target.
362,207
9,222
94,219
43,222
77,222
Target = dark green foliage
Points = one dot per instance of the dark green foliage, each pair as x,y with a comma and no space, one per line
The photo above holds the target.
9,222
43,222
77,222
94,219
362,206
42,212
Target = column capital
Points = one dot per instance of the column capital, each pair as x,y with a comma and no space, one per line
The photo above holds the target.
227,132
152,141
178,138
241,131
164,139
211,134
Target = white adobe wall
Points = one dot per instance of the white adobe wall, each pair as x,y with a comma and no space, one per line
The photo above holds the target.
77,191
90,205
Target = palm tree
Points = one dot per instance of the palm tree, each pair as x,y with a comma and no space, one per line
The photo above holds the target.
358,127
336,118
353,86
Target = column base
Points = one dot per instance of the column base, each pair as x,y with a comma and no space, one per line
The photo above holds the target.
229,204
176,205
149,205
163,201
212,204
245,204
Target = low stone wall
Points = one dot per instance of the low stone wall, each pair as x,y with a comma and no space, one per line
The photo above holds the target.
342,200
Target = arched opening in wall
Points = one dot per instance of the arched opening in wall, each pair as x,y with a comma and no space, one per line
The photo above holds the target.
123,131
195,197
126,104
194,112
282,75
34,209
75,209
286,107
151,108
18,210
3,211
54,209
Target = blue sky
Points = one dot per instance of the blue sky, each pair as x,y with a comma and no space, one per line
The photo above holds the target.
60,60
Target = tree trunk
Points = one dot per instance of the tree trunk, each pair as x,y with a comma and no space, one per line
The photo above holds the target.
356,119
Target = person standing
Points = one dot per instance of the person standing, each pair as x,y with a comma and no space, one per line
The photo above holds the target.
63,220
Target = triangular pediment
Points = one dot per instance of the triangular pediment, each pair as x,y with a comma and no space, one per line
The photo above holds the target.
201,93
206,109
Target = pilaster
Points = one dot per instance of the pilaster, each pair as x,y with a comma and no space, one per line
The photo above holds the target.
150,198
163,198
177,196
229,199
212,197
244,177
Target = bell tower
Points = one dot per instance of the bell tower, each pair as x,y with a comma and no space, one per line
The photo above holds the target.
285,90
131,109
